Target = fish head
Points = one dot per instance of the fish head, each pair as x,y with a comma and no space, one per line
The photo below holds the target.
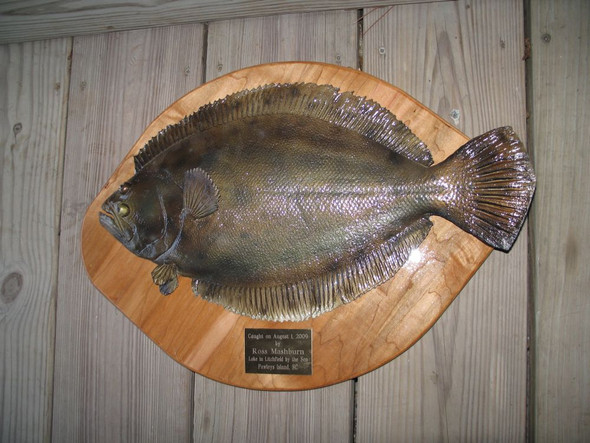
136,216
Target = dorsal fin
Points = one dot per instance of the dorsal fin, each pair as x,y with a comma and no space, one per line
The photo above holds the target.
165,138
306,99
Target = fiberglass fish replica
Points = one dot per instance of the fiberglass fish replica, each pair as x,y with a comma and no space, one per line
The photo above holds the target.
286,201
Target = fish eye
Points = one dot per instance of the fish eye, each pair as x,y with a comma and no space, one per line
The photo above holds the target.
124,188
123,210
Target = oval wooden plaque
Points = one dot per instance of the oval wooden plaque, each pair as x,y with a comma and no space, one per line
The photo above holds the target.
347,342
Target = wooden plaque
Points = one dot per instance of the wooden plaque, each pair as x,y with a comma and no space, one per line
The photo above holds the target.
336,346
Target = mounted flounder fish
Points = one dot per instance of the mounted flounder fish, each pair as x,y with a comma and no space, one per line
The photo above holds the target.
286,201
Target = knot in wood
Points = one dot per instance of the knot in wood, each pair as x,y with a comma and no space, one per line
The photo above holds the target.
11,287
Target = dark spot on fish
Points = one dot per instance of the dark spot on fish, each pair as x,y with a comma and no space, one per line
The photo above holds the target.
234,133
395,158
242,197
11,287
332,266
245,235
279,162
317,139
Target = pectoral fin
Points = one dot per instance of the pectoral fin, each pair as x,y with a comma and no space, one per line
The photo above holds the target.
200,193
166,277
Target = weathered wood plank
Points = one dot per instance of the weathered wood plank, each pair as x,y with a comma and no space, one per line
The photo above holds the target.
111,382
225,413
41,19
33,92
560,38
466,378
326,37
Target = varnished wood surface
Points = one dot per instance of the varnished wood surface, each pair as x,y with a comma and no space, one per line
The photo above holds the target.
348,341
111,383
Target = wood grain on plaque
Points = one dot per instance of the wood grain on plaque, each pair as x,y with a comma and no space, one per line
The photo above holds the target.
348,341
111,382
33,88
466,378
246,415
560,40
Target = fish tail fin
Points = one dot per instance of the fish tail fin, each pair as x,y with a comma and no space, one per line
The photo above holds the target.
491,187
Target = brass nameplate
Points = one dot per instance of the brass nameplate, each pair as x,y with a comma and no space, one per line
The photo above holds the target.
278,351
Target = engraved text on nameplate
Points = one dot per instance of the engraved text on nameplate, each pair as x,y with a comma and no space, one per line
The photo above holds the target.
278,351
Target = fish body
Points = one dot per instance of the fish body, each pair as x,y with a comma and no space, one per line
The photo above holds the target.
289,200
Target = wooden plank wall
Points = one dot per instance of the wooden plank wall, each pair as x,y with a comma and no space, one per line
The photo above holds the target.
560,107
247,415
41,19
111,382
72,368
33,96
463,60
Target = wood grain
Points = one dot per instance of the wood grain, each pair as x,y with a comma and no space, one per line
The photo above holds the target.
329,37
466,378
560,39
445,387
324,414
42,19
209,340
33,92
226,413
111,382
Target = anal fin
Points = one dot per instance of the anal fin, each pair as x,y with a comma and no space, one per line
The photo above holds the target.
296,301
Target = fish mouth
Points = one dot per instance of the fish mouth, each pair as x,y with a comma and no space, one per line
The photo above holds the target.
111,222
